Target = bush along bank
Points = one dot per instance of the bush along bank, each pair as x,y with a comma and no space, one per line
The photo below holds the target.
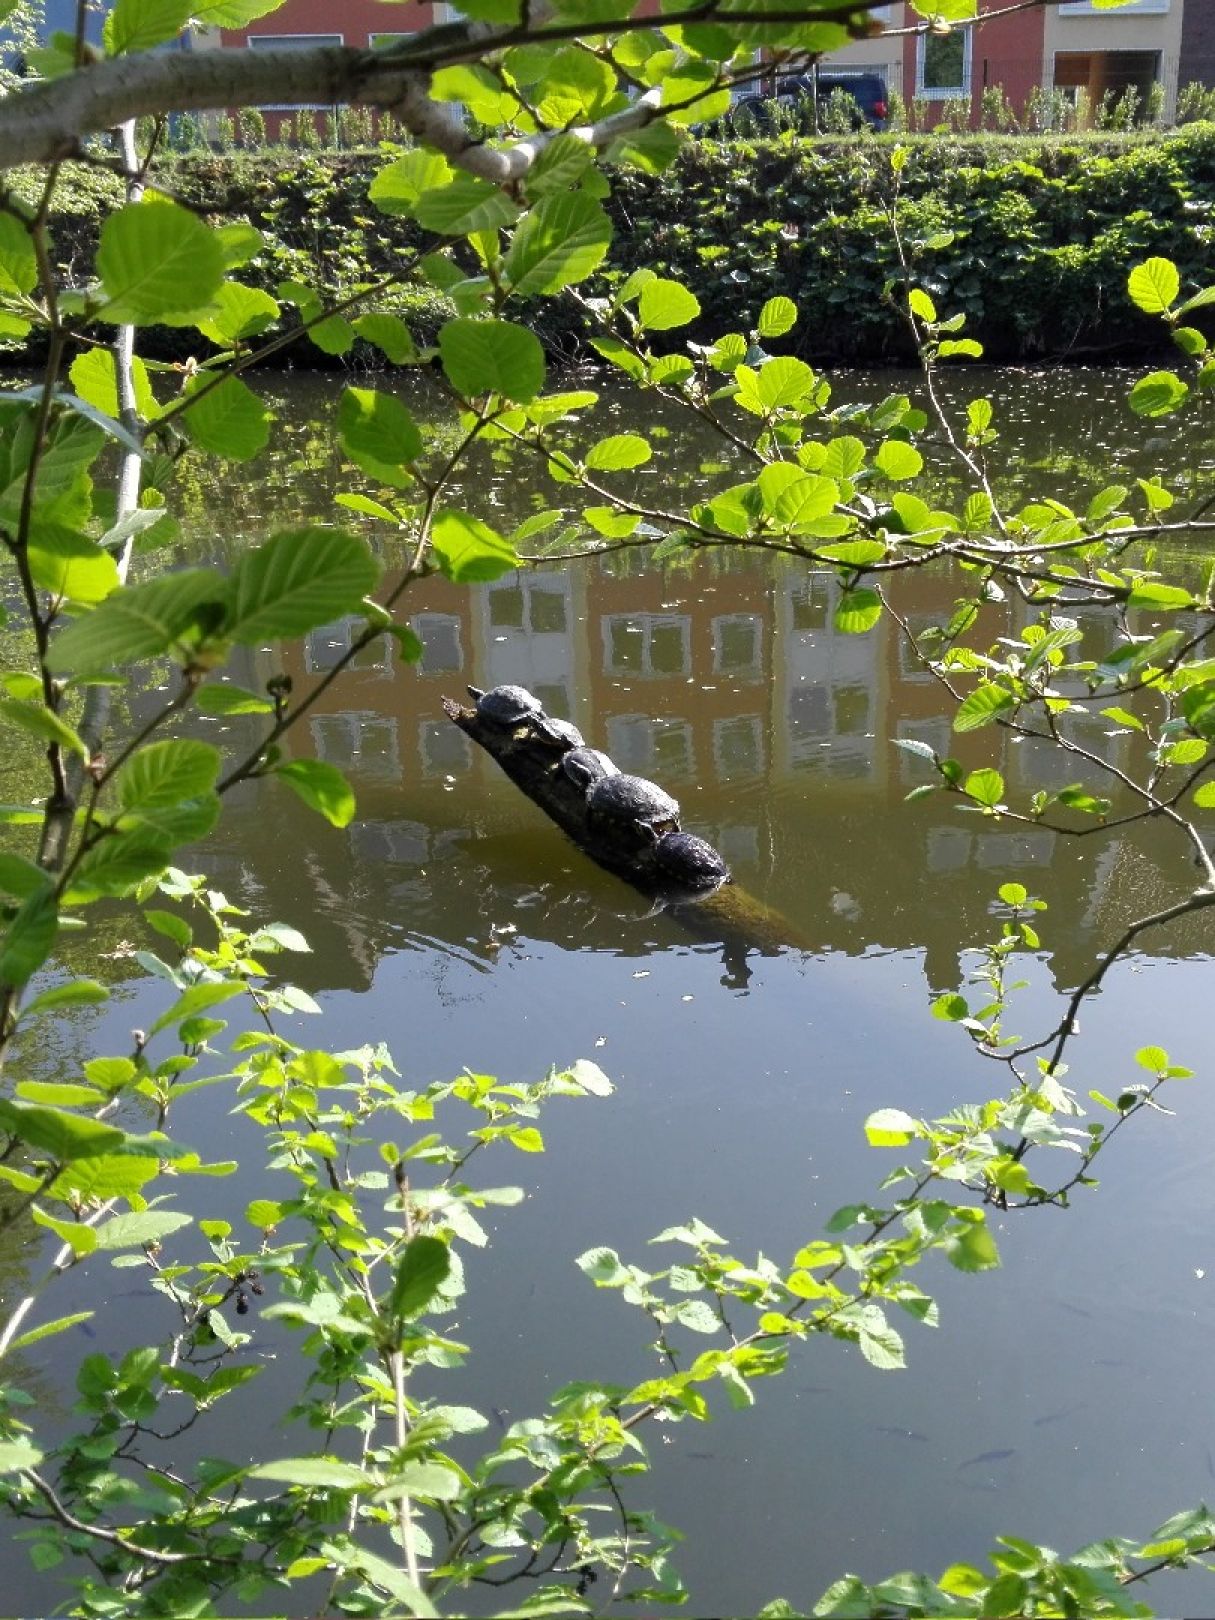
1028,237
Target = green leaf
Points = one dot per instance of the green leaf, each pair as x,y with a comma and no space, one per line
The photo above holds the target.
468,550
891,1127
1160,393
77,993
1145,593
120,861
82,1240
421,1272
46,1330
951,1007
463,206
985,786
982,706
139,621
18,1454
240,313
857,611
973,1249
389,334
432,1480
1204,796
922,306
27,941
898,460
321,786
562,241
228,699
664,305
882,1347
51,1130
18,261
163,773
137,25
560,165
379,435
143,1226
72,566
313,1473
778,316
1154,286
298,580
226,419
490,356
43,723
620,451
197,998
156,259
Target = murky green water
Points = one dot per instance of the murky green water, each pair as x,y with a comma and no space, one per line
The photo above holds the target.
1064,1397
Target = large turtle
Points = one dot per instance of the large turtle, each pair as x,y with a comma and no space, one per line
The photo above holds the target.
630,803
514,708
690,861
586,766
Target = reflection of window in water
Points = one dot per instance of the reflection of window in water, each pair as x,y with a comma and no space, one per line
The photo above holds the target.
812,603
738,746
555,700
405,842
439,634
910,667
359,741
851,709
644,746
1047,765
849,760
646,644
931,729
809,713
738,645
329,643
948,849
535,606
1035,846
444,748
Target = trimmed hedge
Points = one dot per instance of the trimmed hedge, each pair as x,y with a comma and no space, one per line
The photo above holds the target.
1031,237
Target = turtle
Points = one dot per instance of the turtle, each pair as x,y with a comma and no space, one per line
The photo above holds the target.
513,707
564,734
632,802
690,861
586,766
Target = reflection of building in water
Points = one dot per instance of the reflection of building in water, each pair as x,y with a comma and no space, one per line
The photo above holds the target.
527,630
831,687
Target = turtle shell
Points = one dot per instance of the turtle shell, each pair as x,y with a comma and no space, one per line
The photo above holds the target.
633,799
691,860
586,766
509,705
564,733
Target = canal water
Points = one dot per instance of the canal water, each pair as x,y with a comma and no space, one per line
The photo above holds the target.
1064,1397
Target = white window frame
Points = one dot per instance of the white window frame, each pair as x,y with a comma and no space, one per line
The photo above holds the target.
944,93
283,42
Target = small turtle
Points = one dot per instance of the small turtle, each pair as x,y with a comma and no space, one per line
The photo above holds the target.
690,860
632,802
586,766
512,707
564,734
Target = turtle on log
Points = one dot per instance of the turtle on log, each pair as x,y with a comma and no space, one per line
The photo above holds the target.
627,825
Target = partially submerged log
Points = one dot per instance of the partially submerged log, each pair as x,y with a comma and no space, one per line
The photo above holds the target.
726,913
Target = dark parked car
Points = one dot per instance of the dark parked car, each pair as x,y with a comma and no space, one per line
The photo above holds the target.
805,96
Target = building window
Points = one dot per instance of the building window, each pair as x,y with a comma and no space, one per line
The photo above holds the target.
942,70
360,741
444,748
283,42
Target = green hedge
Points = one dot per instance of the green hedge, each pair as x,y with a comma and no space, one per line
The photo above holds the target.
1029,236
